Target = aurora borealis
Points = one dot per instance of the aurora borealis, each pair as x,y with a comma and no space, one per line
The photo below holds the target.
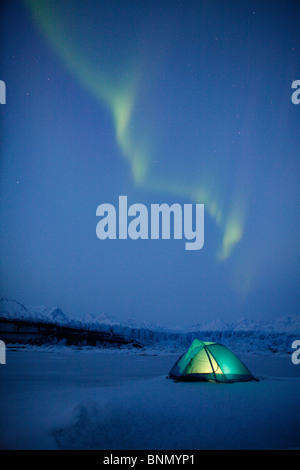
119,95
178,102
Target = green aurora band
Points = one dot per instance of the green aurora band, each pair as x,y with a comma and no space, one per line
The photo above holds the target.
119,93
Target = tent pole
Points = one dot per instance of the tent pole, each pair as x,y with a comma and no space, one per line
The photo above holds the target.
211,365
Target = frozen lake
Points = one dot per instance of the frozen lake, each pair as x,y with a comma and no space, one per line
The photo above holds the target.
119,400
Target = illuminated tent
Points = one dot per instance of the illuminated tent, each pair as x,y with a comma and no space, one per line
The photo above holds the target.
209,361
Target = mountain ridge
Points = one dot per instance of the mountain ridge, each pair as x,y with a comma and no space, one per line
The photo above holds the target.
13,310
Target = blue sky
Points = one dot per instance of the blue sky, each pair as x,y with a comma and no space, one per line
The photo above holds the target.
175,102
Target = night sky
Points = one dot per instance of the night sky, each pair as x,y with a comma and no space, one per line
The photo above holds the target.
165,102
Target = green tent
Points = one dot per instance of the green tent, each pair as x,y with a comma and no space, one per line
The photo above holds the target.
209,361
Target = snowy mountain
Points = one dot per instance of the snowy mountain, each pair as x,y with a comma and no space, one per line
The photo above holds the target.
144,325
216,325
101,319
13,310
289,323
55,314
259,337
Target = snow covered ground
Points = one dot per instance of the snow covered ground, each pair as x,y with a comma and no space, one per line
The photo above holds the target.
63,398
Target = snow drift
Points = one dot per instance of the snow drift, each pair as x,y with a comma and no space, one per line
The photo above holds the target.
163,415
